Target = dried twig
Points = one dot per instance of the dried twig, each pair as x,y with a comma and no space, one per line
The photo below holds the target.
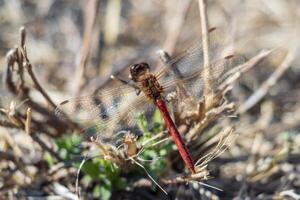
112,21
7,124
152,179
182,178
28,121
271,81
33,134
208,89
17,86
90,16
176,21
8,156
44,146
28,66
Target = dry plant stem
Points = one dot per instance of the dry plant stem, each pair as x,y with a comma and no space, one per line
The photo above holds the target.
36,138
175,29
233,74
236,72
19,56
152,179
90,16
28,66
7,124
266,86
13,57
28,121
224,141
77,176
112,21
208,89
185,178
8,156
38,86
177,23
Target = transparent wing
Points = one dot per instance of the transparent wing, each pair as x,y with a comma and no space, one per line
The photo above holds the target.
185,71
103,104
192,58
107,112
110,111
193,80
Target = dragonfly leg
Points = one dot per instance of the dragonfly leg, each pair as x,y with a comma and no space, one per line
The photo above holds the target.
137,91
166,59
129,83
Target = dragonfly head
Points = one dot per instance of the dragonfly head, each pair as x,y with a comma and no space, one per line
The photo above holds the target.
138,70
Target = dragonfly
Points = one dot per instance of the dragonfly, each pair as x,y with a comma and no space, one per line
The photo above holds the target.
120,108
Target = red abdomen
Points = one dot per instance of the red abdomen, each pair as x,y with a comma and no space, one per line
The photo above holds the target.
175,135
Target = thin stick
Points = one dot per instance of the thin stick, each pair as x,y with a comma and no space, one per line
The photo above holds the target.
28,66
85,159
90,18
208,89
175,27
152,179
152,138
28,121
160,141
271,81
38,86
209,186
77,189
8,124
37,139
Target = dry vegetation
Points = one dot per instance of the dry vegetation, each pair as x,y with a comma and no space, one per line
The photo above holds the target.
243,133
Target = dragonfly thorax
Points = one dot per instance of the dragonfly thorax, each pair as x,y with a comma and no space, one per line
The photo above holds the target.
150,86
146,82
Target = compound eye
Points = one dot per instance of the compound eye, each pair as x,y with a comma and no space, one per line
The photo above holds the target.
133,68
134,72
145,65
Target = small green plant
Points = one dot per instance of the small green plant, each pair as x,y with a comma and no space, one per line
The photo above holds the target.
102,174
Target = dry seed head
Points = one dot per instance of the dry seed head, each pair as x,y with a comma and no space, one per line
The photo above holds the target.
131,145
28,121
23,36
12,108
130,138
11,114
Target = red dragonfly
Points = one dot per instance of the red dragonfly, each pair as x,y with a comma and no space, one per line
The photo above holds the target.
119,108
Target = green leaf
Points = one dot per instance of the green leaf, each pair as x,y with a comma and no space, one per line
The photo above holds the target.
142,122
105,192
284,136
163,152
121,183
157,117
68,146
91,169
87,179
102,191
158,125
49,159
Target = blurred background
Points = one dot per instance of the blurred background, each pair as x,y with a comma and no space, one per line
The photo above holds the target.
74,47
